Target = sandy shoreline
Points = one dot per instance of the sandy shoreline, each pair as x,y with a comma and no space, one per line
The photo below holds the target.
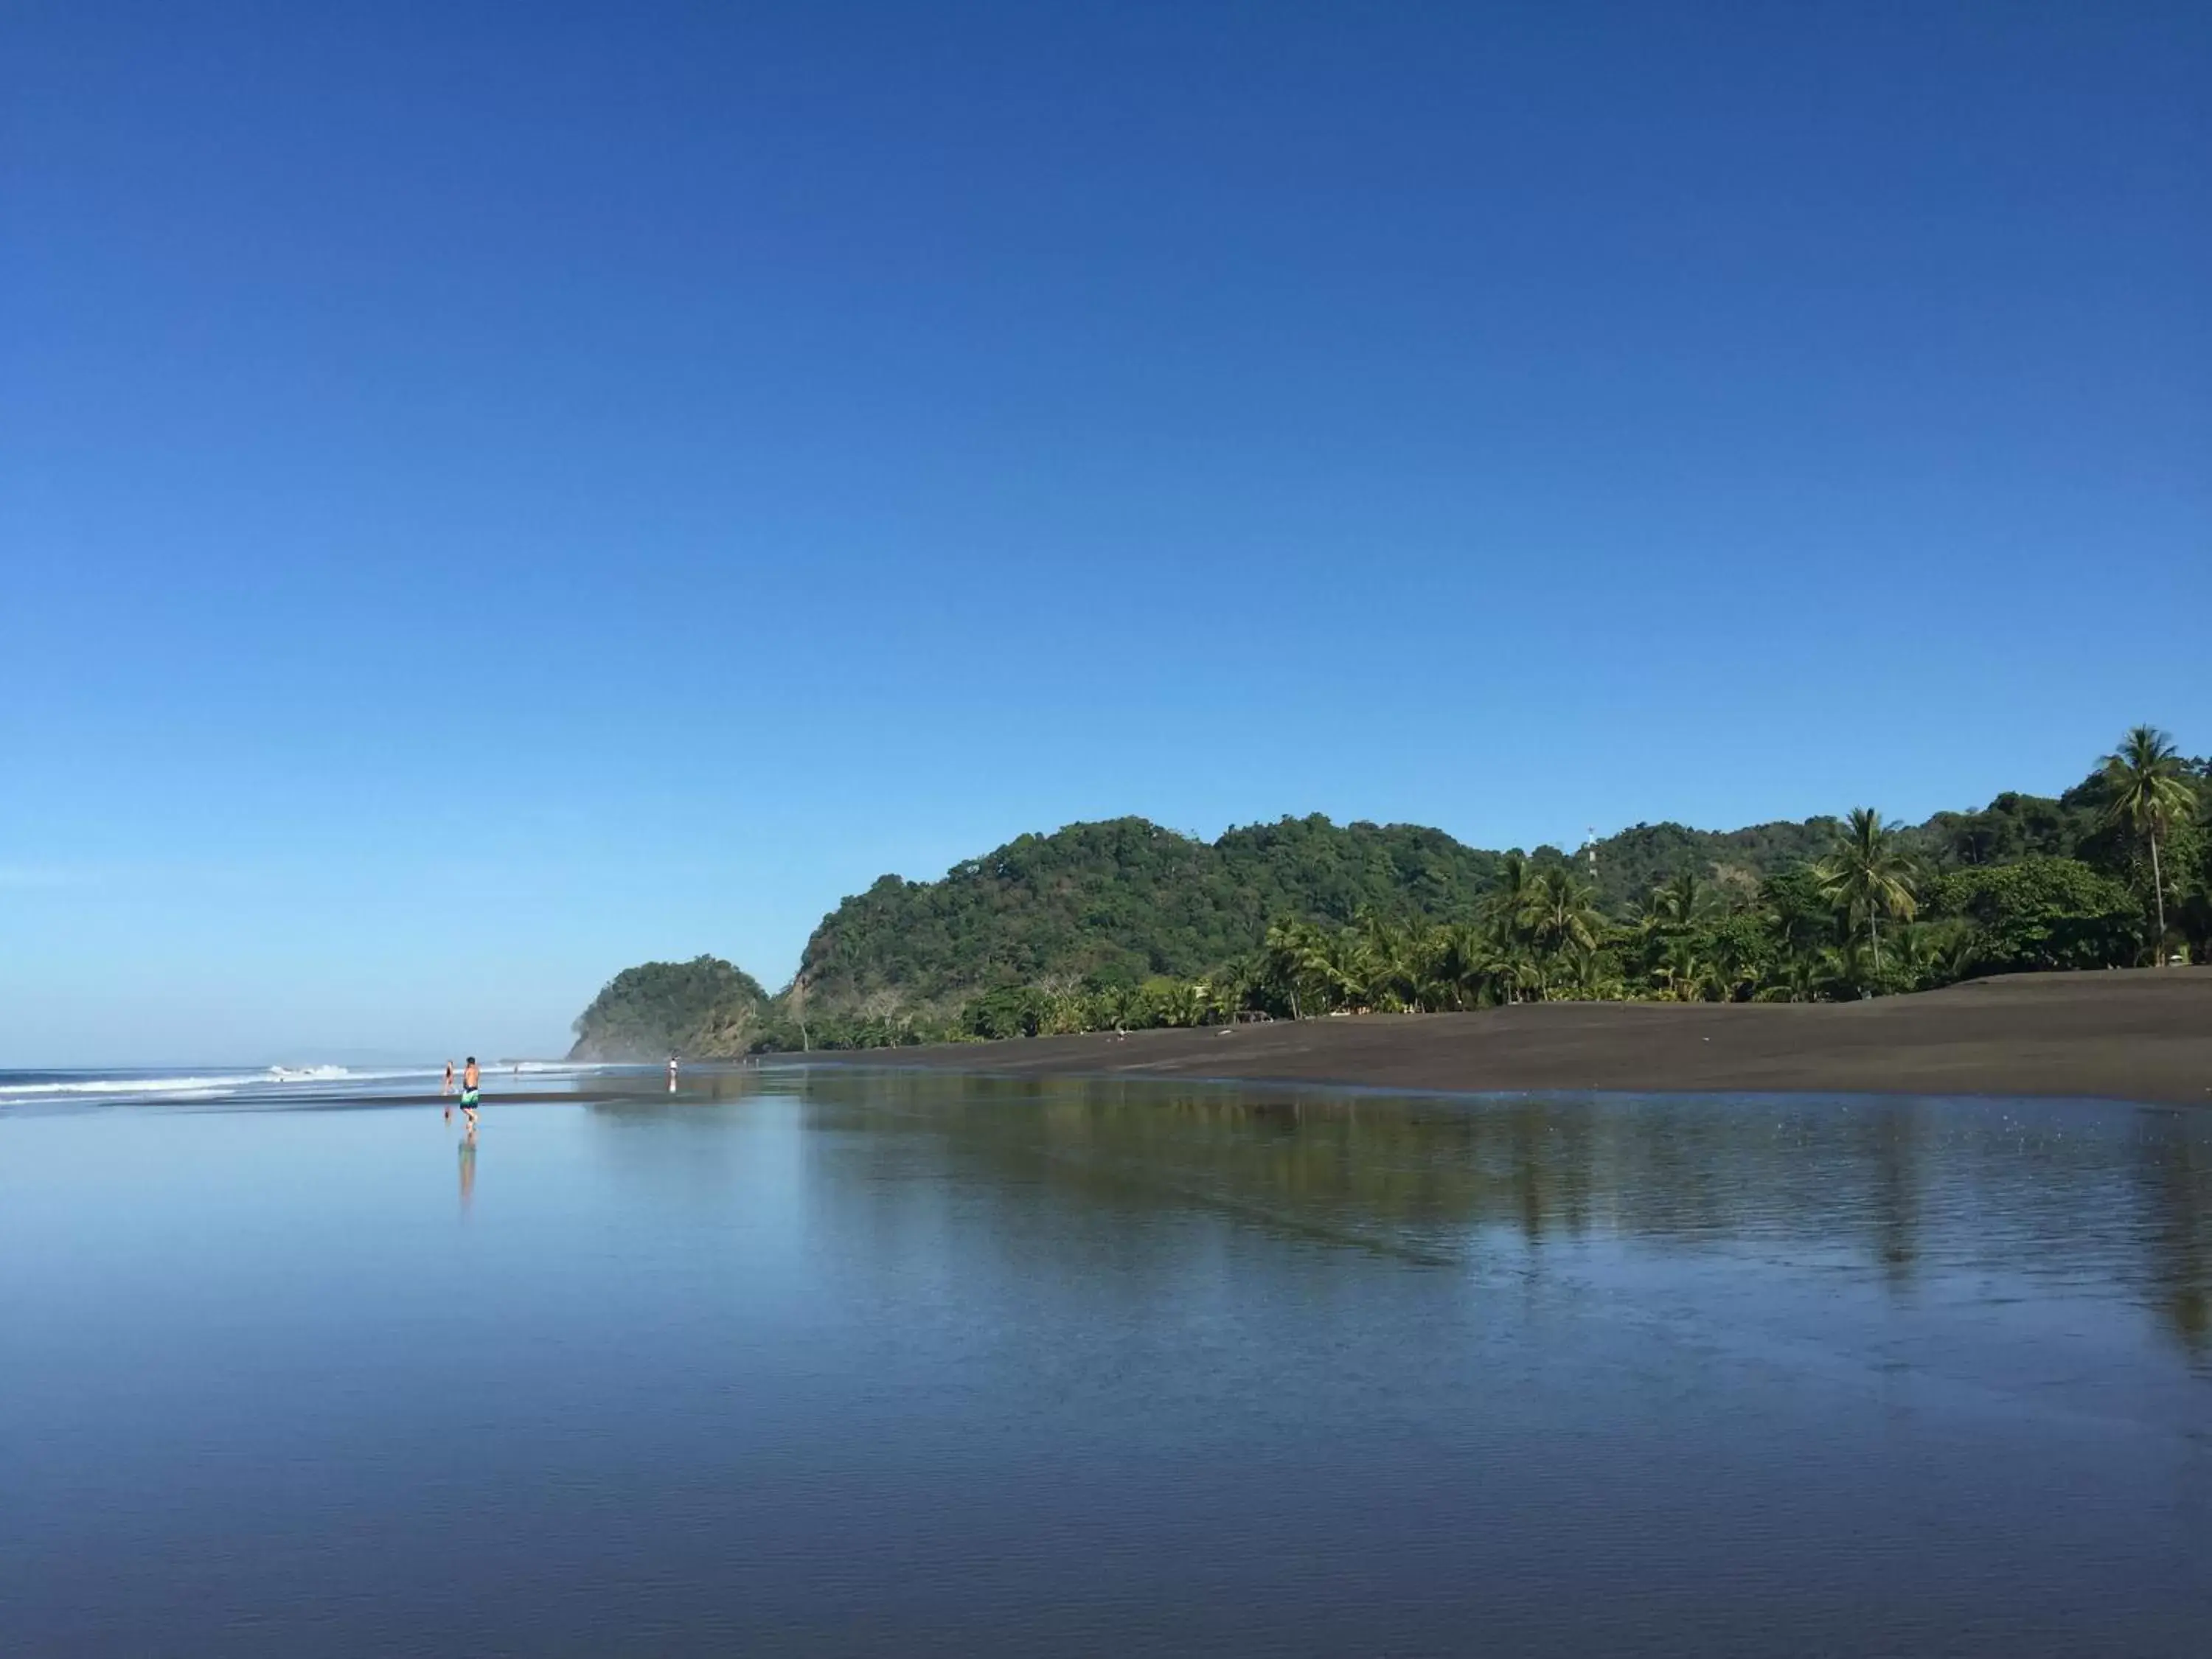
2143,1035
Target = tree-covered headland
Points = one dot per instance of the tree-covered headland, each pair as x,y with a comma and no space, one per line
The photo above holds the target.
1126,924
703,1006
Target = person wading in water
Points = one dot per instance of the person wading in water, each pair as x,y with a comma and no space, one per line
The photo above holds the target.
471,1078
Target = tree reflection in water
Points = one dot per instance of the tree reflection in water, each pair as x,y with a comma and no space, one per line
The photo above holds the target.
2049,1191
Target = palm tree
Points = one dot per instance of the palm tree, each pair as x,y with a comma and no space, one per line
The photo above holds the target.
1868,872
1295,951
1236,983
2145,789
1469,969
1843,971
1118,1005
1504,912
1680,901
1676,906
1348,967
1795,978
1561,912
1396,953
1508,899
1961,954
1683,972
1734,969
1926,951
1586,974
1525,976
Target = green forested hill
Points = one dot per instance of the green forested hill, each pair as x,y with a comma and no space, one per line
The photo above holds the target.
703,1006
1628,866
1125,920
1117,901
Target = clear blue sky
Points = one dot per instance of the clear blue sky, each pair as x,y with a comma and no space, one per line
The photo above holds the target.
488,495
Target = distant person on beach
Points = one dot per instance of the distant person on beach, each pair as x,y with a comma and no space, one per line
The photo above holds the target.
471,1079
671,1074
447,1088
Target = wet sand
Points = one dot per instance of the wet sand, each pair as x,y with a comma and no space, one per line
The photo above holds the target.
2141,1035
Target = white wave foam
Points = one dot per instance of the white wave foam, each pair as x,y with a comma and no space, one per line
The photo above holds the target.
273,1084
197,1085
128,1086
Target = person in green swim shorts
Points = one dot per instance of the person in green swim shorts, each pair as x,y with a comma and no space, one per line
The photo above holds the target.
470,1079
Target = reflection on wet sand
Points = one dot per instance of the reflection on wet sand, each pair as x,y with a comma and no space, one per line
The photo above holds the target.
1901,1186
2174,1174
923,1363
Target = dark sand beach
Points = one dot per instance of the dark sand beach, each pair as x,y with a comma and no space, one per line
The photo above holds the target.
2141,1035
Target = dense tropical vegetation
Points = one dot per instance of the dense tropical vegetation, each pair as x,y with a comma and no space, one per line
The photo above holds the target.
703,1006
1124,924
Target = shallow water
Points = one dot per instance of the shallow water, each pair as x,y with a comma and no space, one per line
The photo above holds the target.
899,1364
